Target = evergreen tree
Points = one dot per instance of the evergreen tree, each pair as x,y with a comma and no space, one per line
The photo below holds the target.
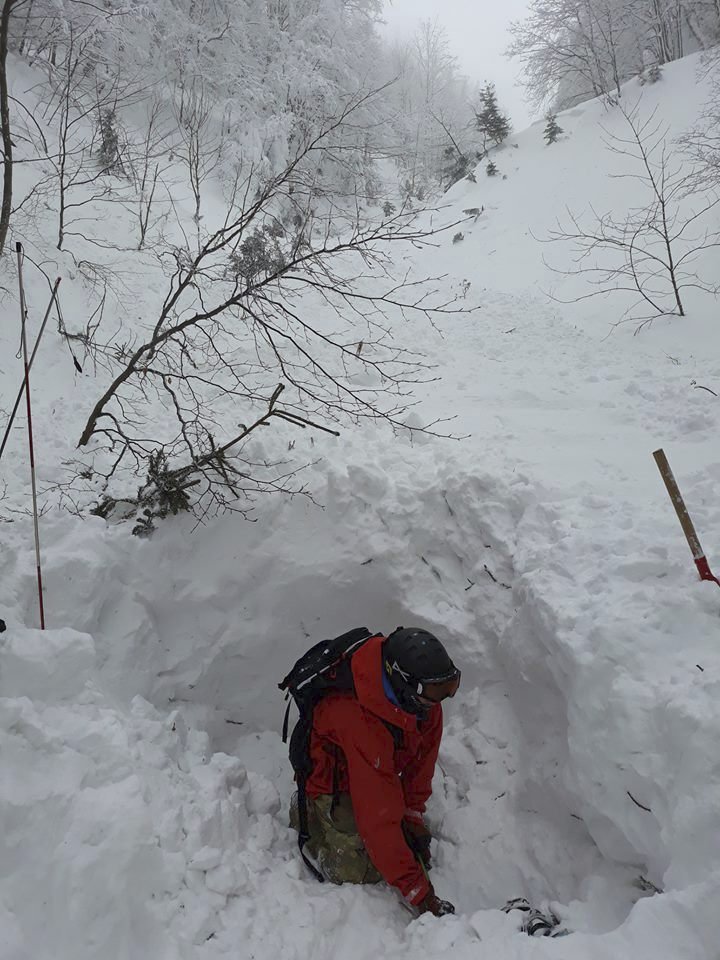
552,129
110,161
650,74
491,169
492,124
456,166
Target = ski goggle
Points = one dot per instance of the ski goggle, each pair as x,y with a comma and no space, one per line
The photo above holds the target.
434,691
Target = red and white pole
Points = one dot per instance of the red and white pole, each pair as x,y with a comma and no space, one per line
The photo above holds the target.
8,428
26,362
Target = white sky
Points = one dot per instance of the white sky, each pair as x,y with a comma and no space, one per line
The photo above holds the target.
477,32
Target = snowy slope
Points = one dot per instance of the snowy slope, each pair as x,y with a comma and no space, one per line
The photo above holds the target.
142,807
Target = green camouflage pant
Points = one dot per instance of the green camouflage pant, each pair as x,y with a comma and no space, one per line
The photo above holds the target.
334,840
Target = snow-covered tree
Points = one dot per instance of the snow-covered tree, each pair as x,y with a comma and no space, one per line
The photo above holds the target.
230,83
702,143
572,50
552,129
430,119
272,69
491,123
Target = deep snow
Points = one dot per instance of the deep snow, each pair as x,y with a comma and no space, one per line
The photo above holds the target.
144,789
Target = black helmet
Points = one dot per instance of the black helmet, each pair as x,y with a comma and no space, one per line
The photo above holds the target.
419,669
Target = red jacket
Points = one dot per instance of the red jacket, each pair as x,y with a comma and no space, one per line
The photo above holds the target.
386,782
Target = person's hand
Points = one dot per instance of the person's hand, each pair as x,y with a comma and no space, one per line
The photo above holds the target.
418,839
434,905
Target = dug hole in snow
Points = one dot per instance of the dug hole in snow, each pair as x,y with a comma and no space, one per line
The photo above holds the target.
143,802
134,834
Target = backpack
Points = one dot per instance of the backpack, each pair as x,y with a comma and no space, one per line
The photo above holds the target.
325,668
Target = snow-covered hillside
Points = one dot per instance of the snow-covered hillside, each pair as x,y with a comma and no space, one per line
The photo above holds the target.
143,801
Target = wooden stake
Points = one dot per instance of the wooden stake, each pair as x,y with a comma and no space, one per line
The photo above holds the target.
684,517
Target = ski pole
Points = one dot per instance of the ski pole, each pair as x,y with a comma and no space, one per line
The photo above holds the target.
32,358
686,523
23,336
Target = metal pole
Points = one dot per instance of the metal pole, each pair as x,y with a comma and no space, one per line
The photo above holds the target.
32,358
26,362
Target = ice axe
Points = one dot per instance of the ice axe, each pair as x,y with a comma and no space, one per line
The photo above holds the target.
686,523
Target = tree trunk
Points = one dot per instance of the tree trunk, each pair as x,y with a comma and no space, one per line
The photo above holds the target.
26,28
698,38
5,125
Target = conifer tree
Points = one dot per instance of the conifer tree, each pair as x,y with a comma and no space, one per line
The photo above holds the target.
456,166
492,124
552,129
491,169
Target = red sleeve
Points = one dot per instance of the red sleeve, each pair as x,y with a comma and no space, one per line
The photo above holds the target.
418,775
377,798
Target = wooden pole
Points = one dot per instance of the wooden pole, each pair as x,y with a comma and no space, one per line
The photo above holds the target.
684,517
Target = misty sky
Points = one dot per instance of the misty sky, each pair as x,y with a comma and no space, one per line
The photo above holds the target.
477,31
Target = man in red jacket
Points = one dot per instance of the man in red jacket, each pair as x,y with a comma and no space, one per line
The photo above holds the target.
373,756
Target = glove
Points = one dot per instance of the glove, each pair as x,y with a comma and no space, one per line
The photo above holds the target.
418,838
434,905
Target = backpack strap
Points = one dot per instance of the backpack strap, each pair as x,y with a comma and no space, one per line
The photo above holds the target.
301,779
286,720
304,833
335,782
300,758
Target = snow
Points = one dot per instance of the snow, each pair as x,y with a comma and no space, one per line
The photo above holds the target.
143,802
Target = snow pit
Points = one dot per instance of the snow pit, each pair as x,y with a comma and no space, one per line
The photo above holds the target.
150,785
